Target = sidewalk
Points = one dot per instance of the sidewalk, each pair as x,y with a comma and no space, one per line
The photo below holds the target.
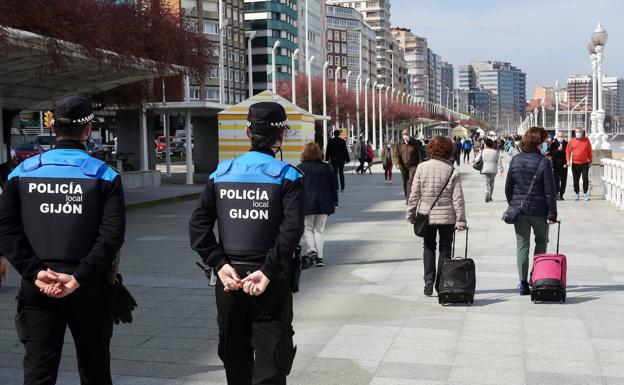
363,320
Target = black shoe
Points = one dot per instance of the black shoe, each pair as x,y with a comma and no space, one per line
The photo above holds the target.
561,198
318,262
428,288
524,288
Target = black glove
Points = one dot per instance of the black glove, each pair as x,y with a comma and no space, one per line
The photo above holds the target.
121,303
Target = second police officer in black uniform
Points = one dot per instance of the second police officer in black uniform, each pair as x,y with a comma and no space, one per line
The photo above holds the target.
258,204
62,221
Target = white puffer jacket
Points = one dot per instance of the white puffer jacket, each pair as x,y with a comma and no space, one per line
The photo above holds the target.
428,182
492,162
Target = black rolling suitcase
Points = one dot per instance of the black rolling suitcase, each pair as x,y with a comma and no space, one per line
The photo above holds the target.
457,278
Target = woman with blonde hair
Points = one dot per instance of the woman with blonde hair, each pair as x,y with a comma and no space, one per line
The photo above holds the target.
321,200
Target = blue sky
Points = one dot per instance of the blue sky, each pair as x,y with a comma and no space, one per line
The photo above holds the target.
547,39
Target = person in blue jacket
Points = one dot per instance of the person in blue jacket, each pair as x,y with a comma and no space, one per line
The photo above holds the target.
62,222
257,202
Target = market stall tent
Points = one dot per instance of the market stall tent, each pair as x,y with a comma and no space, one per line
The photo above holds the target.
233,140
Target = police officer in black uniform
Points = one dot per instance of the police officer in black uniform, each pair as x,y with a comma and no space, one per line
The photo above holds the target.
258,204
62,220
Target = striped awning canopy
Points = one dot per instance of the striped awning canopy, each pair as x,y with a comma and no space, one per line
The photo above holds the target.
233,140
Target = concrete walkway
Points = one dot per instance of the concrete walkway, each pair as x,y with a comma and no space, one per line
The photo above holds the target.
363,318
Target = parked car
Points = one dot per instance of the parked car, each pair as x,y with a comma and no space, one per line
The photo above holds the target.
25,151
97,149
161,145
178,149
46,141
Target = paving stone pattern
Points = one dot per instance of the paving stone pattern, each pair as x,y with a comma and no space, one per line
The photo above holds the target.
363,318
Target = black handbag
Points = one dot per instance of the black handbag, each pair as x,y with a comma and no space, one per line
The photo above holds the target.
422,220
121,303
513,213
478,164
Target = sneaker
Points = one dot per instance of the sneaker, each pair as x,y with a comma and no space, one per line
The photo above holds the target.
586,197
428,288
308,261
577,197
390,182
318,262
524,288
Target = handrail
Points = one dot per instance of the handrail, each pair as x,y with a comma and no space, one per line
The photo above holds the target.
613,178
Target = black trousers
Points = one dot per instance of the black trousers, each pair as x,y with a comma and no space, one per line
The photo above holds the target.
466,156
408,177
256,334
41,322
446,245
361,166
579,170
339,175
561,179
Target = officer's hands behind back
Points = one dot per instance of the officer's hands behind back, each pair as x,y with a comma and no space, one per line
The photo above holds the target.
255,283
56,285
230,279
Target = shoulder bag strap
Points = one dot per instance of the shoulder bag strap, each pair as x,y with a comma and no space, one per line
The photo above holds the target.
532,182
441,191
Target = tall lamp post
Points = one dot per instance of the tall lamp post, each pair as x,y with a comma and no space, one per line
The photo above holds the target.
310,84
349,73
358,86
293,77
380,119
274,66
374,116
336,76
366,108
556,106
325,66
388,88
599,39
223,23
250,36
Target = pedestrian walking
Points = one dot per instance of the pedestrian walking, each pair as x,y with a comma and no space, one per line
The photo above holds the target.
370,157
557,152
338,155
321,200
436,191
362,154
530,187
458,150
258,204
62,222
408,156
492,164
467,147
579,155
388,160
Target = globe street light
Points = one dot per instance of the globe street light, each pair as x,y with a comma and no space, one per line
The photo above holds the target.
599,39
274,66
592,54
292,77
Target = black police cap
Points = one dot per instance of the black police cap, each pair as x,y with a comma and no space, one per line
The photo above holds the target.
266,116
72,110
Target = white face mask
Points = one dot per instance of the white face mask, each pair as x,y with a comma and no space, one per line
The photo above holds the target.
406,138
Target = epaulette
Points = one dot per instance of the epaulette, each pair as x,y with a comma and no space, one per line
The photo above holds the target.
224,167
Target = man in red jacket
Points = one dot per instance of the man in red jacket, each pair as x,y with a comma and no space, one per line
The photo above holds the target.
579,155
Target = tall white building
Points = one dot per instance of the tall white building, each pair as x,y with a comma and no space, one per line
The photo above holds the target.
376,13
316,35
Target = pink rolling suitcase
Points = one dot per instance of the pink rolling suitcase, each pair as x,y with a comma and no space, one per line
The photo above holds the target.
548,277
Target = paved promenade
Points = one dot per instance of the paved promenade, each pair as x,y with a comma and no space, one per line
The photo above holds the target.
363,318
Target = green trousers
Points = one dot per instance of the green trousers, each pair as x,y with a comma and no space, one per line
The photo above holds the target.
523,241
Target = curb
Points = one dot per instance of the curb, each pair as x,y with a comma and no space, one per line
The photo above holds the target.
162,201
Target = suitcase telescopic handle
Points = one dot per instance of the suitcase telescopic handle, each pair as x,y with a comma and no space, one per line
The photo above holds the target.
558,234
466,250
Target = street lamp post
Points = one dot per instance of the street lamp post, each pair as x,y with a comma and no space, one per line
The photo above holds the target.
274,66
250,36
223,23
374,116
380,119
366,83
358,89
325,66
336,76
293,77
556,106
599,39
349,73
310,84
388,88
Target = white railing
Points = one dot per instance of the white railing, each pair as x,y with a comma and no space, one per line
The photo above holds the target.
613,179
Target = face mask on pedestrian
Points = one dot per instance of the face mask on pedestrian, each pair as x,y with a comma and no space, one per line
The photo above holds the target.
579,134
406,138
544,148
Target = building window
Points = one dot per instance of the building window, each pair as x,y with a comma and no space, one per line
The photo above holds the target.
211,28
194,92
330,59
